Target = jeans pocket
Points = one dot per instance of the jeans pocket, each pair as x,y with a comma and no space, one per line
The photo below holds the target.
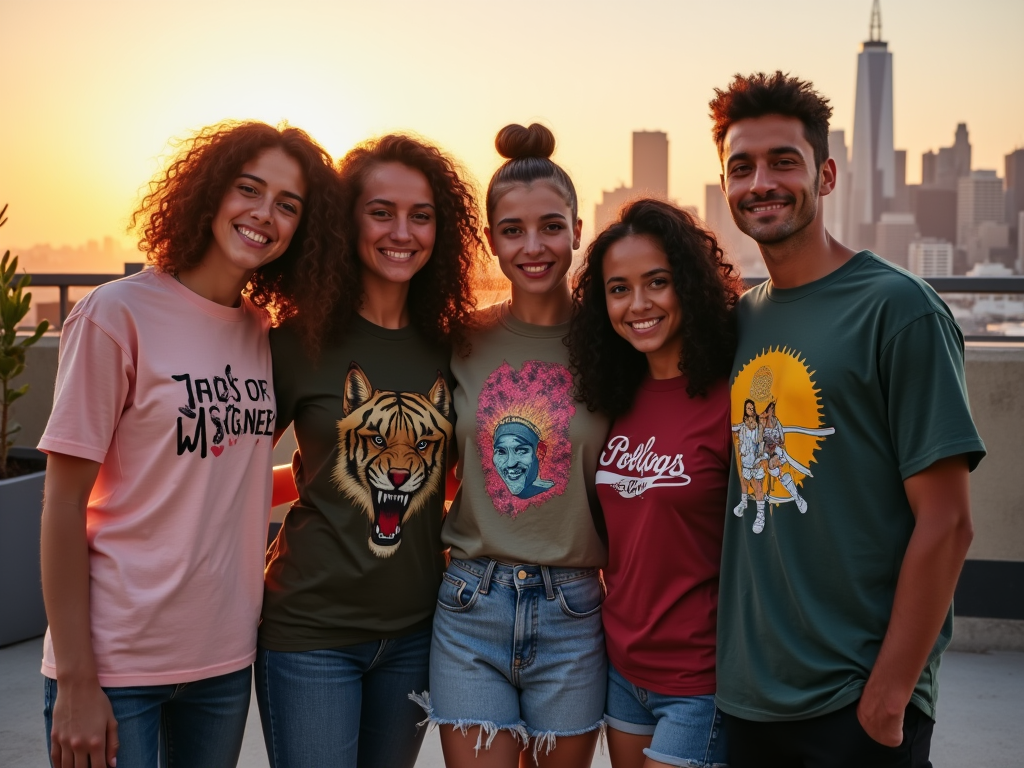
580,598
457,594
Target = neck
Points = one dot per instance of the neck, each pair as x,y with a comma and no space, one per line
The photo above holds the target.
806,256
384,303
215,284
553,308
664,364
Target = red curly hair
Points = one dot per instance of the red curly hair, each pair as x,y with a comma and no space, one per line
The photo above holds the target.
175,219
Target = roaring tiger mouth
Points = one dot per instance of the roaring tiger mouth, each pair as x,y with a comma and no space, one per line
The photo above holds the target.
388,511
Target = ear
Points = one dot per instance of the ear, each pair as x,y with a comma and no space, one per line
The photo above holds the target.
357,389
577,232
827,179
721,182
490,240
441,397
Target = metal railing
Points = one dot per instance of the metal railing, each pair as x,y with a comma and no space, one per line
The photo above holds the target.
947,285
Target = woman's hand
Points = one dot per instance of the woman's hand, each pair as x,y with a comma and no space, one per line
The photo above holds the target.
84,730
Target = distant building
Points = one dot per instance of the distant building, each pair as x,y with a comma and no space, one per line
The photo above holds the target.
893,236
935,212
650,164
1020,242
931,257
872,163
738,248
650,177
901,198
944,168
1014,179
837,206
979,199
989,241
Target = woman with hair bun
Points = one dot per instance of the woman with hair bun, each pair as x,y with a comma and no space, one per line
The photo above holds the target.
352,577
651,346
157,498
518,656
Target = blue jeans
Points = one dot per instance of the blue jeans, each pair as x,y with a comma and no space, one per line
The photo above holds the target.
685,731
175,726
518,648
345,706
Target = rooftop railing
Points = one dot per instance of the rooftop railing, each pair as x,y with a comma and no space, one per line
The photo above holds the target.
959,291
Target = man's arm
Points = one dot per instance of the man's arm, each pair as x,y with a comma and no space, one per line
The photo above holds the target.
940,500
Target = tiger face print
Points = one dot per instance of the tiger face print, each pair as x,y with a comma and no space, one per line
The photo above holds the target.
391,454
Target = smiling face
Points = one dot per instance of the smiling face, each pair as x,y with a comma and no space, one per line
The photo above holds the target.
258,214
770,178
397,224
533,237
643,306
514,458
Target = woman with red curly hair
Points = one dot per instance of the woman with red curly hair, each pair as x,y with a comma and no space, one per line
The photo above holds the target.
352,577
157,491
651,345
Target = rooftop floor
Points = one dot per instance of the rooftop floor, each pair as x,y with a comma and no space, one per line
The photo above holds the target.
980,713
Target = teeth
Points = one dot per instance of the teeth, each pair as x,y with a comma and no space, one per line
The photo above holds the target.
402,498
399,255
398,529
762,208
643,325
535,269
256,237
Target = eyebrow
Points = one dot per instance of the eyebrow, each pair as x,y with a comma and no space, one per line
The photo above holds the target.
649,273
261,181
545,217
783,150
383,201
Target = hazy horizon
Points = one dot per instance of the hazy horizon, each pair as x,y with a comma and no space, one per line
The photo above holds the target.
93,93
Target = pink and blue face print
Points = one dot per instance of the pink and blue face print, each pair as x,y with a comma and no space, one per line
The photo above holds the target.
523,421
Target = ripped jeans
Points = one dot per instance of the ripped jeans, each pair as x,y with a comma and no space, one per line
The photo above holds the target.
518,648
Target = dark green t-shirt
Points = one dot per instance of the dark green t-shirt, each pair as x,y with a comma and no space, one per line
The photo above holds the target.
359,555
841,390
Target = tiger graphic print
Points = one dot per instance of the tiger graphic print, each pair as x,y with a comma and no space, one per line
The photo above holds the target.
391,451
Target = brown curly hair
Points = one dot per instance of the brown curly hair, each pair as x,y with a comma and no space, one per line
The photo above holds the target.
441,297
761,94
608,369
175,219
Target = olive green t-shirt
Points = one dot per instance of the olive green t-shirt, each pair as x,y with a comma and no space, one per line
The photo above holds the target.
841,390
528,451
359,555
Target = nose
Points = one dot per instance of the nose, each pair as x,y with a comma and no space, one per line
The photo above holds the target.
640,301
400,230
761,180
262,208
533,245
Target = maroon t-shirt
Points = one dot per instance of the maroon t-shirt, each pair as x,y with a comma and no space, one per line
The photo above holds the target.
662,481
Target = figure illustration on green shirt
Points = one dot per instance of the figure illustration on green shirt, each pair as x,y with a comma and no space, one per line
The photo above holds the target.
391,448
764,456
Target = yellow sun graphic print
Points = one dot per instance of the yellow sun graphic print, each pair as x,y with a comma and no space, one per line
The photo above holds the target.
778,426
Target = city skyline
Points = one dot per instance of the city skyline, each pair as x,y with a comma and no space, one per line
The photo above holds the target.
92,94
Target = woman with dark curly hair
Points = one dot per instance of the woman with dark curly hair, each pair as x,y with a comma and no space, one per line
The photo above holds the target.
651,345
156,508
518,654
352,577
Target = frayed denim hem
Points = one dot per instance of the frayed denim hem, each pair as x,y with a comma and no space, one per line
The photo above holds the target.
546,739
487,728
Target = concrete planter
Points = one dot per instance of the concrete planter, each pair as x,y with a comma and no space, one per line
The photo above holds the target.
22,615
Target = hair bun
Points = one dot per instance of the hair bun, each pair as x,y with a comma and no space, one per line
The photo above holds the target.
514,141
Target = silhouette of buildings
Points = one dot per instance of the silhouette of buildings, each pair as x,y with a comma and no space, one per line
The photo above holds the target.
837,204
893,236
650,177
931,257
738,248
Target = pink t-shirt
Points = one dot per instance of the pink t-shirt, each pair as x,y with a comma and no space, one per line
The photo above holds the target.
173,395
662,481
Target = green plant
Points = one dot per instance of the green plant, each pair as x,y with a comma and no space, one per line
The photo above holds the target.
14,305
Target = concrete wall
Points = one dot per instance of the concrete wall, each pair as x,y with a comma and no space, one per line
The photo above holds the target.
995,382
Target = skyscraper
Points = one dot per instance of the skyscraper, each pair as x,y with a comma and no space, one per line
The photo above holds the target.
836,205
739,249
872,165
650,164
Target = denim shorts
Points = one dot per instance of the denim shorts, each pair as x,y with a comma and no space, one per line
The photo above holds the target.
685,730
518,648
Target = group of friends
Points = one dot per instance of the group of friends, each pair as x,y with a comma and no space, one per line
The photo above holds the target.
600,568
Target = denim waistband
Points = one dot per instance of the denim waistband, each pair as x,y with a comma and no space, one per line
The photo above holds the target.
521,574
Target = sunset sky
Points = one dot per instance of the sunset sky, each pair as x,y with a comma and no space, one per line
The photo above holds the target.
91,92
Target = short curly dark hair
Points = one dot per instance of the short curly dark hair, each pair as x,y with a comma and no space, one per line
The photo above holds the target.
608,369
175,218
761,94
441,294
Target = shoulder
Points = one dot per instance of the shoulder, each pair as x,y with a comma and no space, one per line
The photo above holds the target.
890,283
485,319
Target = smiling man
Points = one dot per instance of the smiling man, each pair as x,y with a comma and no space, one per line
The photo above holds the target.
837,585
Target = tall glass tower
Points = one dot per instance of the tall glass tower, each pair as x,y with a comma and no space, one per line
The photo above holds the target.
872,163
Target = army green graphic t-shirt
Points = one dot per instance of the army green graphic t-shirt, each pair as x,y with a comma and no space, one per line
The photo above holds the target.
359,555
841,390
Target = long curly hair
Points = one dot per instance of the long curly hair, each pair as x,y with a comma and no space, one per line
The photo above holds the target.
441,297
175,219
608,369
